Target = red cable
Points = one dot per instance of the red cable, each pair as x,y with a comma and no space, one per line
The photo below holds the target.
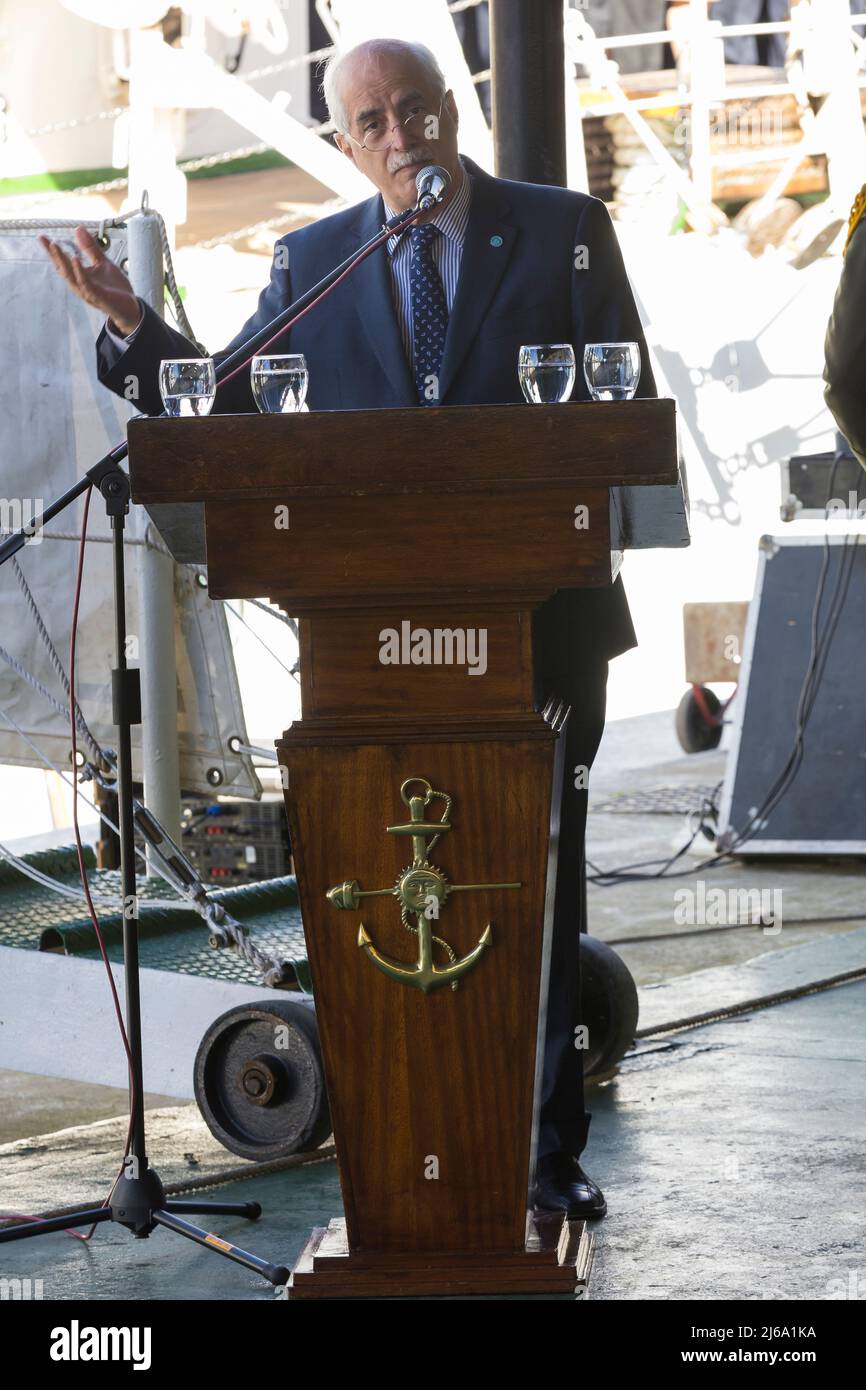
82,868
713,720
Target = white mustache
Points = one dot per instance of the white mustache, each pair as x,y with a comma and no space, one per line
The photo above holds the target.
414,156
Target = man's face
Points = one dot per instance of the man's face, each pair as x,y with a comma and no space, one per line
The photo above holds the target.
379,92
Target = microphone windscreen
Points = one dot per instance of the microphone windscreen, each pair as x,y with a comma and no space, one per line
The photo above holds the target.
433,180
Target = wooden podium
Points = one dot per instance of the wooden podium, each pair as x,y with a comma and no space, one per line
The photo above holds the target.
413,546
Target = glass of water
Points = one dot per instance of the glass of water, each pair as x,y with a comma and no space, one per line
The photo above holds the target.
547,372
279,383
187,385
612,370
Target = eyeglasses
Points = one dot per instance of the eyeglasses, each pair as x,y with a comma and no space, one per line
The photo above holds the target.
377,130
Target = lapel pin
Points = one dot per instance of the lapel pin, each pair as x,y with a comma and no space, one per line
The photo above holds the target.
496,241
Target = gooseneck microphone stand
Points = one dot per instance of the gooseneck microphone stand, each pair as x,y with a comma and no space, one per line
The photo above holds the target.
138,1199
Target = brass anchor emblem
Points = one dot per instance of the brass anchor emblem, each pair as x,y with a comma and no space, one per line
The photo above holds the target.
421,889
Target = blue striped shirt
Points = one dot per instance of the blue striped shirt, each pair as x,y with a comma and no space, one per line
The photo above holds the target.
452,221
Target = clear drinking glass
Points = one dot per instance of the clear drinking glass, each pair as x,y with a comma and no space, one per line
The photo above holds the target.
547,372
279,383
187,385
612,370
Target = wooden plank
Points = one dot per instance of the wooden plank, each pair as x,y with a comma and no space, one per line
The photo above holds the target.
344,551
327,452
341,665
714,633
556,1259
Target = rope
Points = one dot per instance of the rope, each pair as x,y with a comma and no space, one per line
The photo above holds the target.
316,56
151,539
753,924
81,722
243,233
291,671
765,1001
274,613
181,319
76,121
30,223
61,772
37,685
212,161
186,166
326,1154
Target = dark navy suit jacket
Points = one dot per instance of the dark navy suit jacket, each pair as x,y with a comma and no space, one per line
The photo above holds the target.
540,264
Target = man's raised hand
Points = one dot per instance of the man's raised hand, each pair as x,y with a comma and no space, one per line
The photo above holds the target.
100,282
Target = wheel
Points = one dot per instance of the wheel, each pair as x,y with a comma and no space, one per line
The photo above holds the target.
695,734
610,1005
259,1081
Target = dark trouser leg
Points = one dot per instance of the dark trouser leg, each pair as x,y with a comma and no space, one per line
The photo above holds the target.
563,1123
744,48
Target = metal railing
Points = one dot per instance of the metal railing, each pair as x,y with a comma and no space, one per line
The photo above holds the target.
702,38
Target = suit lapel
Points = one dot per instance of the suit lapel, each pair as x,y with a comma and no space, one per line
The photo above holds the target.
489,243
370,285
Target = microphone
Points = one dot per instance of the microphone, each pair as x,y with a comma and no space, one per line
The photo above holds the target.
432,184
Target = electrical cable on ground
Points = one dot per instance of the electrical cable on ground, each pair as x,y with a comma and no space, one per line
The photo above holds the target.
759,925
746,1006
818,655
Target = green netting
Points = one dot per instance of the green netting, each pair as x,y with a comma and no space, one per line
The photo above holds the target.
60,863
33,918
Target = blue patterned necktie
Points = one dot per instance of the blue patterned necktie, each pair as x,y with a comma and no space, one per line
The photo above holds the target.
429,314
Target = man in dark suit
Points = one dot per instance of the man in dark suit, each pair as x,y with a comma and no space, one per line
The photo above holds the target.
438,316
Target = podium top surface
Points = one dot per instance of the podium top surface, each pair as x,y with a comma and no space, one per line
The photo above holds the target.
434,449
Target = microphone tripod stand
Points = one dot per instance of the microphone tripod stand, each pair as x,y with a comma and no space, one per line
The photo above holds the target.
138,1199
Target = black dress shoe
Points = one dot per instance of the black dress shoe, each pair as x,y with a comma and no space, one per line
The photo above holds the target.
562,1185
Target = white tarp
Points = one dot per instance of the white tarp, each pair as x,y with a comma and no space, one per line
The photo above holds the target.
56,421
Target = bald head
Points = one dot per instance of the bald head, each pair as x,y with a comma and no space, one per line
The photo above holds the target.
365,60
393,112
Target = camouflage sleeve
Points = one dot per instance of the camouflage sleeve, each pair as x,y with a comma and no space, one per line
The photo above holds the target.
845,344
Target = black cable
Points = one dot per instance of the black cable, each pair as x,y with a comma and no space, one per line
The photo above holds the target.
781,785
735,926
614,875
747,1006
